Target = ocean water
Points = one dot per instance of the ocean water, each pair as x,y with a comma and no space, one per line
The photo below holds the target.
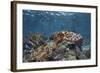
48,22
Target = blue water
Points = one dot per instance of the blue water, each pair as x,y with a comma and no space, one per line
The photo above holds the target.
48,22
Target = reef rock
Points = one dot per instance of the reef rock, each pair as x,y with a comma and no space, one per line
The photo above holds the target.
37,38
64,45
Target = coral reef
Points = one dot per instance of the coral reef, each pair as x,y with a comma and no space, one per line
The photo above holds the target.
64,45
